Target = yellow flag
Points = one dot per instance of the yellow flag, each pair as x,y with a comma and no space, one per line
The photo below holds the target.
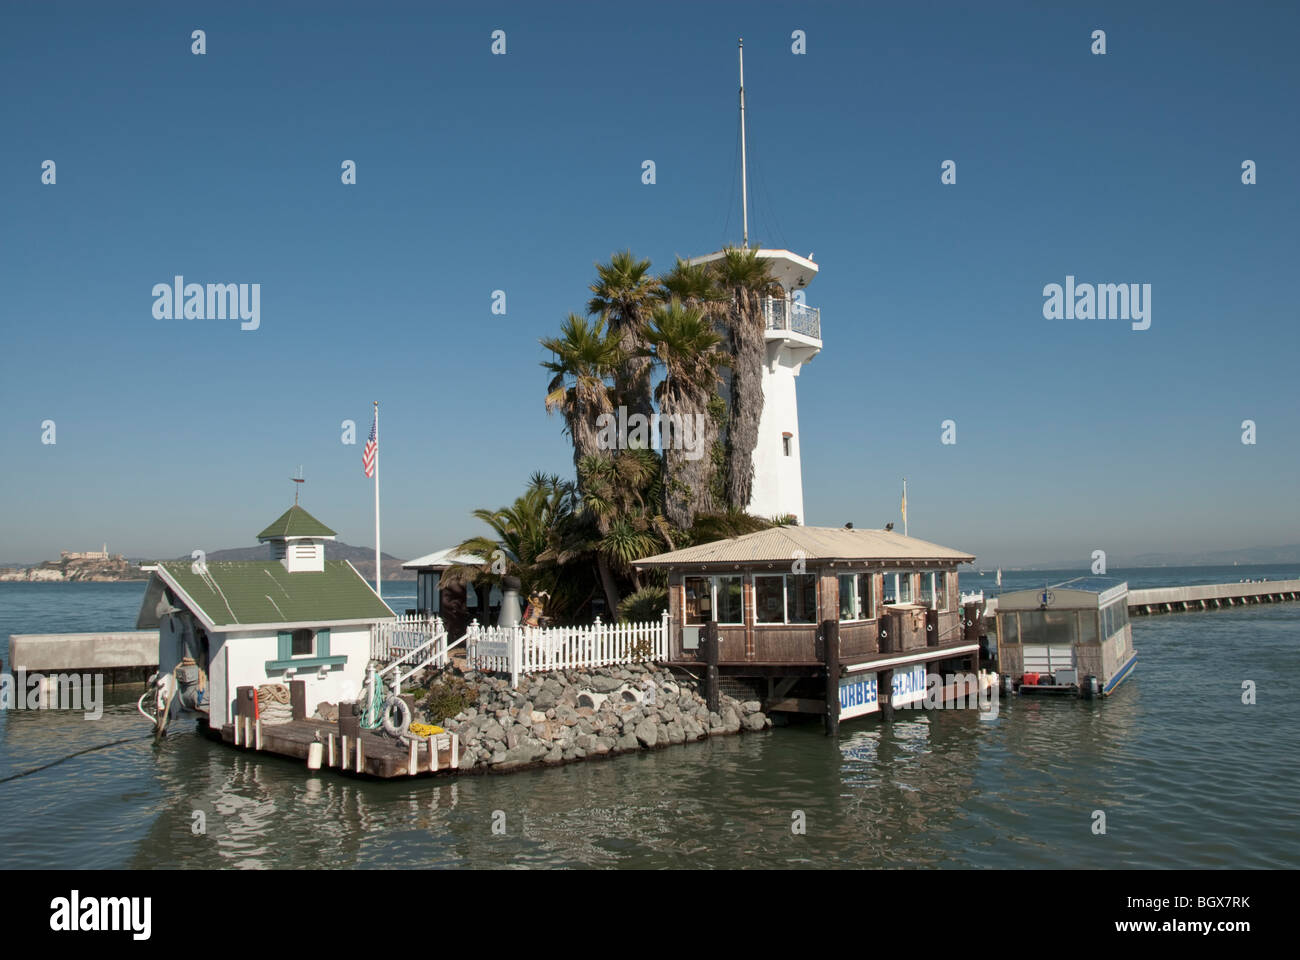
905,501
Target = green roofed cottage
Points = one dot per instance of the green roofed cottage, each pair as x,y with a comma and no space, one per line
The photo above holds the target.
294,616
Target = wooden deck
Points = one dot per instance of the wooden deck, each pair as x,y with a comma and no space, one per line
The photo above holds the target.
370,754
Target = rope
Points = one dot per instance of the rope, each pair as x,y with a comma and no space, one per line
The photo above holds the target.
55,763
274,703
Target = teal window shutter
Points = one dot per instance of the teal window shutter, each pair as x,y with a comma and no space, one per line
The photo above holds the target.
285,645
323,642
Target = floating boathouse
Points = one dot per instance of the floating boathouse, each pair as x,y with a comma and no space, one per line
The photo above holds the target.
1070,637
823,620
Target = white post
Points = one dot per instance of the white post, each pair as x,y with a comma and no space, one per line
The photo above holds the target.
516,648
744,167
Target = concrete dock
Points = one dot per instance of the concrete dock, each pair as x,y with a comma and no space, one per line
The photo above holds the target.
122,656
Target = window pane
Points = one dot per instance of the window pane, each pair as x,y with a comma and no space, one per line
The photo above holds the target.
1010,627
927,589
730,599
801,601
867,600
891,588
1048,626
1087,626
850,607
302,643
904,588
941,591
698,603
769,594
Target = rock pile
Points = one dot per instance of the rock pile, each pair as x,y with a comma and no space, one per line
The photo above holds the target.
575,714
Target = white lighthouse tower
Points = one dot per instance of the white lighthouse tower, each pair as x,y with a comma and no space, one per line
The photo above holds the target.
793,335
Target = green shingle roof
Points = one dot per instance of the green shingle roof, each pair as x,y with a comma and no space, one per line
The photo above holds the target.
264,592
296,522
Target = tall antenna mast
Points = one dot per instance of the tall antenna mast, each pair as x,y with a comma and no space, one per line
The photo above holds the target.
744,174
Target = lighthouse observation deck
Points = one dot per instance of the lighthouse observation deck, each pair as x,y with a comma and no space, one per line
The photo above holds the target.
792,316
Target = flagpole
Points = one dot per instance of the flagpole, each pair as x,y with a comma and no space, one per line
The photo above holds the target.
378,567
904,505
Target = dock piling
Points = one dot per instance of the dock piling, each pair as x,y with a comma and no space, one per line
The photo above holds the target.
709,643
830,636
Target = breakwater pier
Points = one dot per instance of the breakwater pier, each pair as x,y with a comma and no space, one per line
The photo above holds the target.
1212,596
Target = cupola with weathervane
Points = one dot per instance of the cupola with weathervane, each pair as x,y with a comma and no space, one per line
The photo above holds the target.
298,541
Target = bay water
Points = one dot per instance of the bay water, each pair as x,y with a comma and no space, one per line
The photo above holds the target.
1184,772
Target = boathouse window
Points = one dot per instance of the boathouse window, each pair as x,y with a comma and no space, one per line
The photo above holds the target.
769,599
1114,618
730,593
785,598
904,588
1049,626
715,598
801,598
890,593
927,590
855,597
304,643
850,602
1087,627
941,591
1010,627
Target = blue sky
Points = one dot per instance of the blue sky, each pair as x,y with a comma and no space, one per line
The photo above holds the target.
478,172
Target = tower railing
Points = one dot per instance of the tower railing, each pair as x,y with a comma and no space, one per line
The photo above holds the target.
792,315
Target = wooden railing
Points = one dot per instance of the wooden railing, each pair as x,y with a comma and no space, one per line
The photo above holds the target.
523,650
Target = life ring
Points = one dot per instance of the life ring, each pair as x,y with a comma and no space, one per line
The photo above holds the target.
401,729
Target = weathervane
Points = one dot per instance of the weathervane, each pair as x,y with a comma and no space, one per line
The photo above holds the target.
298,480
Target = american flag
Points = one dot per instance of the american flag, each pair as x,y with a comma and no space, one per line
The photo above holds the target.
372,447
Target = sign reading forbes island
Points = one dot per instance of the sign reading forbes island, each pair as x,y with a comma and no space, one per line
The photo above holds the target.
858,695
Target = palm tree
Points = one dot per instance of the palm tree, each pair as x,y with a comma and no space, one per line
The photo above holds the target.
621,497
726,524
747,281
522,542
683,341
585,357
621,298
693,284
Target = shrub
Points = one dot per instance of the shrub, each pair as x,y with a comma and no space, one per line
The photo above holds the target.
448,697
647,604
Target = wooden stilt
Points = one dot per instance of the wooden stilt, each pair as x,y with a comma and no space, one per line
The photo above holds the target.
709,641
830,638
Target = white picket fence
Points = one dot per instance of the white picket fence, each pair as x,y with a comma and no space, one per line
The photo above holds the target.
394,639
519,651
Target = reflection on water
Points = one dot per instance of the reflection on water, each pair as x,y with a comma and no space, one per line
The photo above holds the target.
1185,773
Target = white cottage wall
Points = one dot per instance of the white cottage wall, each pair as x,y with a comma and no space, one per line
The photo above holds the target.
243,656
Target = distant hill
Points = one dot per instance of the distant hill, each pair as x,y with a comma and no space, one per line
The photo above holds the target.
363,558
1289,553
